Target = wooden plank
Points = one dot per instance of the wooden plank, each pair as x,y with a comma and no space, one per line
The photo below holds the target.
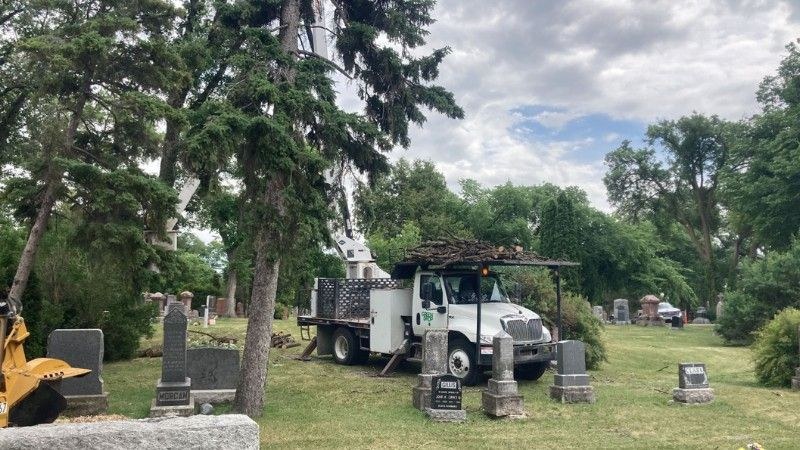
306,355
392,365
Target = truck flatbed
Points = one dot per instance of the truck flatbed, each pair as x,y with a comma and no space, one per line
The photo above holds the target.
353,322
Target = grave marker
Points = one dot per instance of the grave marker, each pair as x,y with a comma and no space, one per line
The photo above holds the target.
172,390
445,392
693,385
81,348
622,312
571,383
501,398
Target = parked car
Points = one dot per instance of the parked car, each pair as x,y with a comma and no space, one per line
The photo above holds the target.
666,311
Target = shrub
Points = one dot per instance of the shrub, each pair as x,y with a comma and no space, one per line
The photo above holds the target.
765,287
775,350
281,311
536,291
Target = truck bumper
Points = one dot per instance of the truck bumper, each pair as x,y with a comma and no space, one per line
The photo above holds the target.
525,354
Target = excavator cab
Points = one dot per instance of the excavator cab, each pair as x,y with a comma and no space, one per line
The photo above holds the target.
28,389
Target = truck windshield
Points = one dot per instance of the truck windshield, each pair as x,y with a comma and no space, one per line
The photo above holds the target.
463,289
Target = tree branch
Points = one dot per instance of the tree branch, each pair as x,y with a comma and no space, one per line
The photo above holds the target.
326,61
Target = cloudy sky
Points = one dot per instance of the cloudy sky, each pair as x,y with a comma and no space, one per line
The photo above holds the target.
549,87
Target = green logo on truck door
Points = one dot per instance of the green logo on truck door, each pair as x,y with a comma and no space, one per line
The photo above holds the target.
427,316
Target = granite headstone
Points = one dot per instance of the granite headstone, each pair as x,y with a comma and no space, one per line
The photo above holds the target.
213,367
571,383
622,311
173,387
81,348
693,387
445,392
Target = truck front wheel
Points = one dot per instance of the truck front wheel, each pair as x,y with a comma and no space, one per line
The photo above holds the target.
532,371
461,361
345,348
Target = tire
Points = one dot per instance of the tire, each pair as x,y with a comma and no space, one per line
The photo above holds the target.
345,348
461,361
532,371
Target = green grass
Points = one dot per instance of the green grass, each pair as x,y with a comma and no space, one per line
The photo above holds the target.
320,404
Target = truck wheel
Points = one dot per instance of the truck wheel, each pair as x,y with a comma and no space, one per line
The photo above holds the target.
461,361
532,371
345,347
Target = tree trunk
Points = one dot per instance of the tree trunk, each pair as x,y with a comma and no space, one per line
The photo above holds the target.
231,291
255,360
28,257
52,184
253,374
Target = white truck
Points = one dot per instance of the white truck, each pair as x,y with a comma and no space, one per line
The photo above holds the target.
356,317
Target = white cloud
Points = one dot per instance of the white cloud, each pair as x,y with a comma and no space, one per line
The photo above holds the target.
626,59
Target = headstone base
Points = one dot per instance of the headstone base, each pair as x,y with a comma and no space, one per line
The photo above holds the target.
446,415
421,394
572,394
173,393
502,405
693,396
701,321
214,396
622,322
172,411
86,405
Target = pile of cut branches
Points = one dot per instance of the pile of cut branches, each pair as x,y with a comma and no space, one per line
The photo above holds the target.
450,251
283,340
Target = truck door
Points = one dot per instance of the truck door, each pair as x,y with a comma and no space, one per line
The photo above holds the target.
429,313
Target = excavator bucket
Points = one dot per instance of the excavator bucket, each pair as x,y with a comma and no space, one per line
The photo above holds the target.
43,405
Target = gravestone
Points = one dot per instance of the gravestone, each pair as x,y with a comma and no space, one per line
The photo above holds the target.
214,372
571,383
160,299
239,309
650,315
692,385
700,316
720,309
434,365
81,348
622,314
501,398
598,312
677,322
446,392
173,395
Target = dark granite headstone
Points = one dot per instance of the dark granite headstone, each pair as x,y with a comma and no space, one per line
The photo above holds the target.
677,322
446,392
173,387
692,376
213,367
81,348
621,310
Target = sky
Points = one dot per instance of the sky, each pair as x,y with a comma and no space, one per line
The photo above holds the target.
550,86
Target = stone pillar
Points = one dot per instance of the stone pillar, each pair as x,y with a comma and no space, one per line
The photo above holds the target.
159,298
501,398
571,383
434,362
692,385
186,299
650,311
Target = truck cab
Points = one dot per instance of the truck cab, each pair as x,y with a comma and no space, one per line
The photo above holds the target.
449,300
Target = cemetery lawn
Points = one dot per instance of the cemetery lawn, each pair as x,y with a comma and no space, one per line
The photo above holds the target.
321,404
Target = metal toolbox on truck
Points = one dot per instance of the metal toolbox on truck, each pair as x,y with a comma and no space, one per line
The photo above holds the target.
386,328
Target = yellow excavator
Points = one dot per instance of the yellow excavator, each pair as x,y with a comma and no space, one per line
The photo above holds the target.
28,389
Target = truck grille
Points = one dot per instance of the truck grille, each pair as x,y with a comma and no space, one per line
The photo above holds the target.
523,332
